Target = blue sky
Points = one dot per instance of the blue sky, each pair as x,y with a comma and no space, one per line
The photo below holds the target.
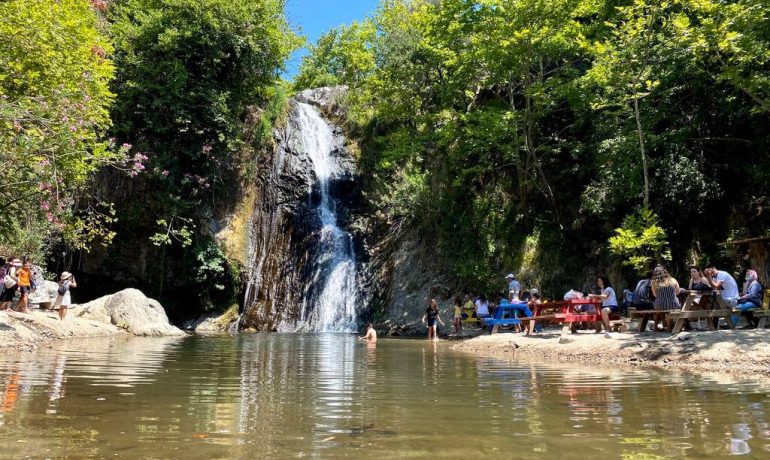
315,17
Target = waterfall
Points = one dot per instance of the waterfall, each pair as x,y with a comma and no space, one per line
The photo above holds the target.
331,301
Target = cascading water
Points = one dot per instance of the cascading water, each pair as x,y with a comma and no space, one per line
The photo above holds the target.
331,305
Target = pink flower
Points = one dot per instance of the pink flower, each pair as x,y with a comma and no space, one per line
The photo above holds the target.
45,206
126,146
50,217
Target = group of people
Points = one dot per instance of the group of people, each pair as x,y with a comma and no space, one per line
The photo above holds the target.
659,290
17,276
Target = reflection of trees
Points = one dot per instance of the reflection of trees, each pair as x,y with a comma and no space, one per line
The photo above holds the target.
267,395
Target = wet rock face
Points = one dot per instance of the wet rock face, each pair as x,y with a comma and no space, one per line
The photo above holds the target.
285,227
327,99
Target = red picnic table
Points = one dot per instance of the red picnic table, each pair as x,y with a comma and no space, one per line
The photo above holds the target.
564,311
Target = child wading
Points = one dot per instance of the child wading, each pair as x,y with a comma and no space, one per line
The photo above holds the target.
63,300
431,314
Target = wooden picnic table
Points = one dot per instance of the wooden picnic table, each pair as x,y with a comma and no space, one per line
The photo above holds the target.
710,307
565,312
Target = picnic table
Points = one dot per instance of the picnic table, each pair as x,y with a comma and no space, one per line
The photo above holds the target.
696,305
567,313
507,314
710,306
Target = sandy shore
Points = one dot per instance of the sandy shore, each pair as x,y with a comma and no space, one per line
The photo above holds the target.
745,352
25,331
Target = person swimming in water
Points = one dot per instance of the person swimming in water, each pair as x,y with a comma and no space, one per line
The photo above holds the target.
371,334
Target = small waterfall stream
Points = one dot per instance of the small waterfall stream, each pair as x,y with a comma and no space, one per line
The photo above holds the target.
331,305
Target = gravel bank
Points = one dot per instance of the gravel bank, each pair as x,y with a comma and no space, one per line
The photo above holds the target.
745,352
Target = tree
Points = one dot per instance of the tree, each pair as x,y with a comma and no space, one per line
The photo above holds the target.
341,56
187,71
640,241
55,72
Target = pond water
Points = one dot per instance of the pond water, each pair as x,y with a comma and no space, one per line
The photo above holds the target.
329,396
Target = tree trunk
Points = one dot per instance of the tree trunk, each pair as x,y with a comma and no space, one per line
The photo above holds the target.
644,155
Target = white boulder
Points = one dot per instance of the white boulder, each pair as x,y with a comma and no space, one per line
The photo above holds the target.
131,310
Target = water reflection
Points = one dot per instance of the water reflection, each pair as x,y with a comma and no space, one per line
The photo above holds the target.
329,396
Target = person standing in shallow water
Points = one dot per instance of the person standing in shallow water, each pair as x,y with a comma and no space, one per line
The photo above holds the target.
432,315
63,298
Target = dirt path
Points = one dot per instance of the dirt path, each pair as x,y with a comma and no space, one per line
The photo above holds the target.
745,352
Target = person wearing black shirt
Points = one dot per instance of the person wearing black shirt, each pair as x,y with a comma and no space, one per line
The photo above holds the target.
431,314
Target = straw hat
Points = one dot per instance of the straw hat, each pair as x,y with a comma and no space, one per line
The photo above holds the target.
16,263
65,276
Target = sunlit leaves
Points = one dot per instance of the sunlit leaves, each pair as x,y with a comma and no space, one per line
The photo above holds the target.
54,99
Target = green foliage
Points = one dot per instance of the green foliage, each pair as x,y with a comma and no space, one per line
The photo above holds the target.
197,91
55,72
341,56
489,123
187,70
641,242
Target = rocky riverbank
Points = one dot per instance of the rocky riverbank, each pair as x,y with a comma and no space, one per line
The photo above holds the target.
127,312
744,352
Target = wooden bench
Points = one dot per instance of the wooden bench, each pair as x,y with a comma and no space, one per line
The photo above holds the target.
645,316
764,318
757,313
571,321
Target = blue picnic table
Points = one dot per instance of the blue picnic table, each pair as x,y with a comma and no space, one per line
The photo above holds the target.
507,314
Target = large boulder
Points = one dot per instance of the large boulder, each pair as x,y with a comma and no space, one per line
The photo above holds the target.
45,293
131,310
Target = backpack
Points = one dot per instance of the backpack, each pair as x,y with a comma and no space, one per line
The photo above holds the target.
63,288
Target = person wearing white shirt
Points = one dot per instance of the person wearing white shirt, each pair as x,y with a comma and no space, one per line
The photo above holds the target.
721,280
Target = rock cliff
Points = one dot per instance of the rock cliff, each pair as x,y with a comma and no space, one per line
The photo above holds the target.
285,227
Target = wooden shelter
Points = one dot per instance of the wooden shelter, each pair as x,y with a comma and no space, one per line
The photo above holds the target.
759,255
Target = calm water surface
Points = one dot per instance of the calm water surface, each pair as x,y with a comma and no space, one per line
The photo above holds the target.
329,396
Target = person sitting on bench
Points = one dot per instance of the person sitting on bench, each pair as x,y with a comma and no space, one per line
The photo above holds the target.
751,297
643,293
609,302
721,280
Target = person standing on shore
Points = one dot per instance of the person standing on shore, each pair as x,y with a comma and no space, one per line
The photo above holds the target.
457,320
514,288
10,283
24,276
432,315
63,298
